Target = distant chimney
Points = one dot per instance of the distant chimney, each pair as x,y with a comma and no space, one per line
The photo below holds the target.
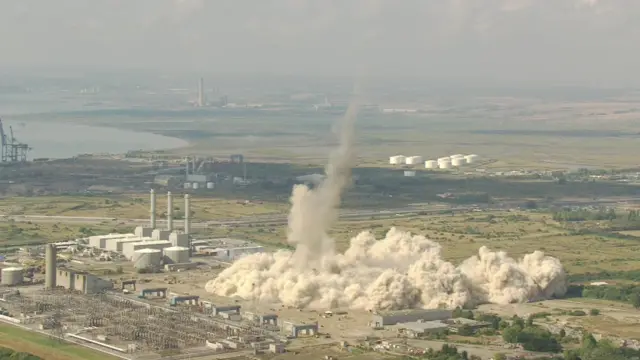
152,210
187,210
169,212
50,267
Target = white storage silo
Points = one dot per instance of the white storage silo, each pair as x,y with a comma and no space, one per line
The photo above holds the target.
444,164
413,160
210,185
397,160
431,164
458,161
12,276
195,186
472,158
176,255
146,258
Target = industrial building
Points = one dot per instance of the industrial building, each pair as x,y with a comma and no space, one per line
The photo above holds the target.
296,330
100,241
82,282
12,276
416,329
397,160
128,249
383,319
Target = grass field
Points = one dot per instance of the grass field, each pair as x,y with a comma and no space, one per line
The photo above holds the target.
134,207
26,341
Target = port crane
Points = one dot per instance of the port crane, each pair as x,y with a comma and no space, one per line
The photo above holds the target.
12,150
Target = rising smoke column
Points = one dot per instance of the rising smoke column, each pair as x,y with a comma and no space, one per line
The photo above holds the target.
400,271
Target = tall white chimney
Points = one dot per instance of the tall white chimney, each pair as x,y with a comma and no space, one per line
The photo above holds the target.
152,210
169,211
187,210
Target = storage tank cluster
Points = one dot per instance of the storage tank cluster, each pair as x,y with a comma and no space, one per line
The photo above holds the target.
448,162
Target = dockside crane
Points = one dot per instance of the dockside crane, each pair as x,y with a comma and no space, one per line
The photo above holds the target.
13,151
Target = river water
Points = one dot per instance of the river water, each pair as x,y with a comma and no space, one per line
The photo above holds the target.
62,140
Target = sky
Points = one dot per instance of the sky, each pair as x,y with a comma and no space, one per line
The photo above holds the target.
564,41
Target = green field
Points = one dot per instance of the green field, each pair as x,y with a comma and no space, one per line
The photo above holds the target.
30,342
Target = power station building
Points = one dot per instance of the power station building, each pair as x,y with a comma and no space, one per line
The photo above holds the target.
387,318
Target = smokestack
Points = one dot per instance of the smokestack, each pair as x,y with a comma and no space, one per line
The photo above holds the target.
152,210
186,167
50,267
201,92
169,212
187,210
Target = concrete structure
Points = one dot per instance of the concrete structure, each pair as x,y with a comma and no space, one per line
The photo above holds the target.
413,160
382,319
51,263
458,161
418,329
152,210
100,241
82,282
295,330
472,158
261,319
143,231
176,255
157,292
169,211
276,348
201,100
397,160
431,164
187,215
117,244
147,258
190,300
444,164
128,249
158,234
179,239
12,276
230,309
409,173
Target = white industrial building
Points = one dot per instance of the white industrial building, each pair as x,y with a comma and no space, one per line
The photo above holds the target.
397,160
128,249
116,244
431,164
383,319
409,173
99,241
413,160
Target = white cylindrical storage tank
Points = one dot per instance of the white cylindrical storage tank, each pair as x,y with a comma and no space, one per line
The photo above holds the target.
195,185
176,255
431,164
187,185
446,158
444,164
397,160
472,158
210,185
413,160
147,258
458,161
456,156
12,276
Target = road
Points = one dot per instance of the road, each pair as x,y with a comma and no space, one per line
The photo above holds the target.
258,219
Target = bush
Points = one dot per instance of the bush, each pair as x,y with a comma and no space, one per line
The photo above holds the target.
594,312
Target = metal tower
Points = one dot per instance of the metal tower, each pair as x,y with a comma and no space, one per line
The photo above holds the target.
12,150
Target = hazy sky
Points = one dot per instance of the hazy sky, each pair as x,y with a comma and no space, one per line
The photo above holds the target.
585,41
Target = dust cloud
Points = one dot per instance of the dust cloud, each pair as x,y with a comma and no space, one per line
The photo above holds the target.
400,271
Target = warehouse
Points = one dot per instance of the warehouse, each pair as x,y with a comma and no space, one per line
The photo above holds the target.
383,319
418,329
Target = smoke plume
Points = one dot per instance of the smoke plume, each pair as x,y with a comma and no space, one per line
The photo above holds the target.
398,272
